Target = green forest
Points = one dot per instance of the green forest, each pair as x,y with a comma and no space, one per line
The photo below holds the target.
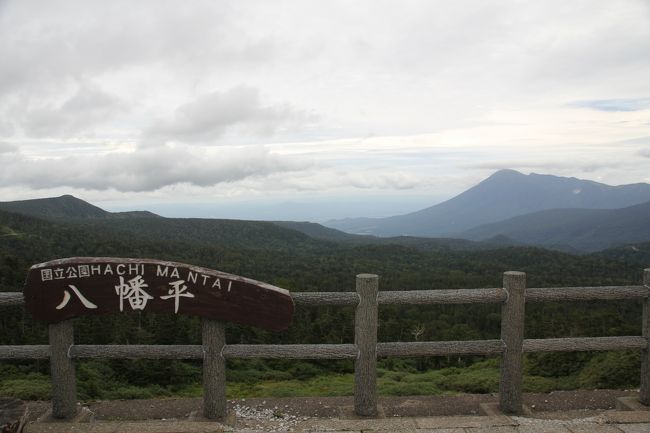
295,261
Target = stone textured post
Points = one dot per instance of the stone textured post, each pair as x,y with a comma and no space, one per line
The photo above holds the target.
64,382
644,393
214,370
512,334
365,339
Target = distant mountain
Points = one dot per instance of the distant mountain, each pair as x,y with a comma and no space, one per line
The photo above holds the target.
257,235
147,226
505,194
64,207
570,230
584,230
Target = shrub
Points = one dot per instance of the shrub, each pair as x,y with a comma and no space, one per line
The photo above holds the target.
304,370
472,381
555,364
32,387
611,370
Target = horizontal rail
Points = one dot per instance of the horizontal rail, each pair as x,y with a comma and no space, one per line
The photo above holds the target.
584,344
137,351
25,352
313,299
602,293
291,351
461,296
270,351
11,298
440,348
330,351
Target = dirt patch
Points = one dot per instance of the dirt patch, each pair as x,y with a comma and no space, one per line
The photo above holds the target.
576,400
567,402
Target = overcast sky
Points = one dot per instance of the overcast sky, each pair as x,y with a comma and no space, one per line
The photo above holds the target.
316,109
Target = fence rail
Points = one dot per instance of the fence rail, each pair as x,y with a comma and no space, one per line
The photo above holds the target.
461,296
214,352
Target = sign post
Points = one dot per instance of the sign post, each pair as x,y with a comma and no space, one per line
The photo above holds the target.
68,288
63,289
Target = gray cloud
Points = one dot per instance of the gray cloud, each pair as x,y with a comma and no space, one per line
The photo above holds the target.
549,166
6,127
209,117
44,45
368,68
144,169
88,107
644,153
7,148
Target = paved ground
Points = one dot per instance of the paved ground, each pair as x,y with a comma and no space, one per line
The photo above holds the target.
612,422
332,415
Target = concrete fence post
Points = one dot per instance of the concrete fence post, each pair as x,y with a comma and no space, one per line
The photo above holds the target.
512,335
214,369
64,382
365,339
644,392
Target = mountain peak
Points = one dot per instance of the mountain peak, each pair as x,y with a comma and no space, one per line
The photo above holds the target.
505,194
506,172
65,206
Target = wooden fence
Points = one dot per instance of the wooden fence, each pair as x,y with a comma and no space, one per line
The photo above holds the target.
214,352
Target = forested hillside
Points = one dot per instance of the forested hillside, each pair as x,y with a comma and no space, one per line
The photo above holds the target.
295,261
585,230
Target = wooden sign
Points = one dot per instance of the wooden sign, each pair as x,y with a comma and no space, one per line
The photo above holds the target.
67,288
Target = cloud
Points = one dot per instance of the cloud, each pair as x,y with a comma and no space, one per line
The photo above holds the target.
7,148
43,46
635,104
477,81
637,140
210,116
144,169
323,178
88,107
644,153
6,127
585,165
